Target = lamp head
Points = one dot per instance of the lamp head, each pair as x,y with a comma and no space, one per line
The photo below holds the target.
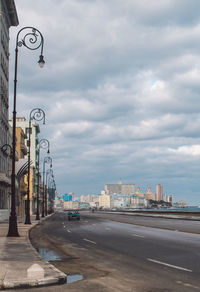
41,61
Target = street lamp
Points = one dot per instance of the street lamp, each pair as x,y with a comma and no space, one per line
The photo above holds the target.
48,160
36,114
49,171
32,40
51,190
44,144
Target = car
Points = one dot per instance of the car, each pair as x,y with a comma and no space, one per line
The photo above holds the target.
73,215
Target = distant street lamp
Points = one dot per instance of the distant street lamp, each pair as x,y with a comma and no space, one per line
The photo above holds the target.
32,40
48,160
49,171
43,144
36,114
52,189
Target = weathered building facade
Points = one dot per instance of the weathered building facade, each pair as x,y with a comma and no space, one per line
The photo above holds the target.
8,18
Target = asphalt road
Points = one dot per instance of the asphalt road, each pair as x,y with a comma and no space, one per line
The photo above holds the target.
130,254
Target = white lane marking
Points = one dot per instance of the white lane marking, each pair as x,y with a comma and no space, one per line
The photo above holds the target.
89,240
68,230
137,235
168,265
187,284
107,228
94,224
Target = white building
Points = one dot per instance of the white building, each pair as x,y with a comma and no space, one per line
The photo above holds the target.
120,188
138,202
120,201
70,205
8,18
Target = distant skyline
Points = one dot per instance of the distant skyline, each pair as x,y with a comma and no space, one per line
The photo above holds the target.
121,92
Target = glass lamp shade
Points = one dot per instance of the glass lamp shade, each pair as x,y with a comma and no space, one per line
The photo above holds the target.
41,61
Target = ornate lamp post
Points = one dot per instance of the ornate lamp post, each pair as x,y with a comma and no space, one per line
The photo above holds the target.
36,114
32,40
48,160
44,144
49,171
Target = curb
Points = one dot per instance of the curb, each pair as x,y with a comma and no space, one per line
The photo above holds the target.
60,278
34,282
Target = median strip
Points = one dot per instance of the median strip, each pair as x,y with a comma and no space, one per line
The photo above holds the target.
168,265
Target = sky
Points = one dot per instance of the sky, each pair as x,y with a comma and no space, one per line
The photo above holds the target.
120,89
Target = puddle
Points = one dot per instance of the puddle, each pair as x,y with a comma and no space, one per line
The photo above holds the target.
48,255
74,278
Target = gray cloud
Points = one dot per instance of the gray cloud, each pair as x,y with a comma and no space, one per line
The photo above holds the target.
120,89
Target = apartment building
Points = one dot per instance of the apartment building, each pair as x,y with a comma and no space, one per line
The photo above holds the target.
8,18
22,123
120,188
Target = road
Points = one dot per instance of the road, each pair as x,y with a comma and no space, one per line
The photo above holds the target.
134,253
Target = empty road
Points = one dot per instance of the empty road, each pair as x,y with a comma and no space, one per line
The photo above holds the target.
134,253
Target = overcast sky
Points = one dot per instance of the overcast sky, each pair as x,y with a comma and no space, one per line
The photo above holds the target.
121,91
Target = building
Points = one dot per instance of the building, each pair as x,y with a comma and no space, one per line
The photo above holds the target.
159,192
139,193
34,131
22,189
8,18
67,197
120,201
73,196
120,188
70,205
86,198
138,202
105,201
170,199
149,195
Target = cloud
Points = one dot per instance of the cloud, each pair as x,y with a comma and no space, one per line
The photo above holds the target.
120,90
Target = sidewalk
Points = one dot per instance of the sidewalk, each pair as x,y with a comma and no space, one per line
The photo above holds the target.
17,255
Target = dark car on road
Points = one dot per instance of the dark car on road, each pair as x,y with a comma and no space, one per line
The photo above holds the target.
73,215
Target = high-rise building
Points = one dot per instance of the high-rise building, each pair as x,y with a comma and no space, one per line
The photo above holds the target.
120,188
8,18
159,192
170,199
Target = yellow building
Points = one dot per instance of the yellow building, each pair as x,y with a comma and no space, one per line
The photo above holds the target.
149,195
105,201
22,151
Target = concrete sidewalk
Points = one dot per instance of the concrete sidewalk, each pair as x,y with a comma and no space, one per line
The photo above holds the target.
17,257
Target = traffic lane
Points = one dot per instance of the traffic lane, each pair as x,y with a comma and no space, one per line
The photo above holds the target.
180,250
147,275
192,226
